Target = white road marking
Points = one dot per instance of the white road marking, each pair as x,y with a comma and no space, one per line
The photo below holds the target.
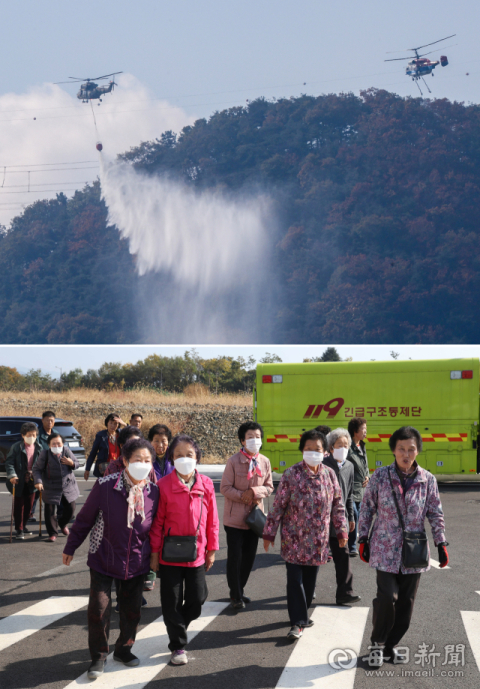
471,622
61,568
436,564
21,624
336,627
478,592
151,647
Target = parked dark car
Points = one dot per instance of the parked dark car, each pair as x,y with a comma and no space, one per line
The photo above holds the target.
10,433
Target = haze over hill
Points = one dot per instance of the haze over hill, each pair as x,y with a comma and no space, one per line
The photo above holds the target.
374,235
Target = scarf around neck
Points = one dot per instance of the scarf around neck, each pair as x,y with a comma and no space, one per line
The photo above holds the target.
134,499
253,467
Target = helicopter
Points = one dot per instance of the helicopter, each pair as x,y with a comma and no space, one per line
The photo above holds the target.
89,90
420,66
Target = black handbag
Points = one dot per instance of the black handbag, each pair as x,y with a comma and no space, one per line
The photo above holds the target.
256,520
181,548
415,543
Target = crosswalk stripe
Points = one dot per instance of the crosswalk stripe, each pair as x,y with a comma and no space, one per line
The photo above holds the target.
30,620
471,622
436,564
336,627
151,647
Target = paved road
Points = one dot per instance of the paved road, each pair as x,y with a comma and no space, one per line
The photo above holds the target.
244,650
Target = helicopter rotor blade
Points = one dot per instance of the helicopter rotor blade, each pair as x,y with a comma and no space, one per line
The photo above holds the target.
438,49
393,59
105,76
427,44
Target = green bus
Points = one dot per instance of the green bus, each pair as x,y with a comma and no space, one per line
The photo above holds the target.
439,397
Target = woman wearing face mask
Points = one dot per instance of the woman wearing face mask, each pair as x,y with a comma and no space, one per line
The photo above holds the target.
20,460
118,514
53,474
338,443
187,508
247,479
357,455
307,500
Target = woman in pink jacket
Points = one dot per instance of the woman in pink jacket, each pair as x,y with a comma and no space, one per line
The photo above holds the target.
247,479
187,507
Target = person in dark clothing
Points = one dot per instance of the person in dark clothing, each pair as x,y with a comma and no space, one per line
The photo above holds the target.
118,514
53,474
44,432
357,455
340,438
105,447
18,467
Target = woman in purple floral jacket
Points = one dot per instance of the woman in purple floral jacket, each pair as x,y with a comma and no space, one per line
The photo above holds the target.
307,498
417,496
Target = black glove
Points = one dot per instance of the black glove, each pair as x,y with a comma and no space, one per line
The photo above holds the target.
364,551
443,554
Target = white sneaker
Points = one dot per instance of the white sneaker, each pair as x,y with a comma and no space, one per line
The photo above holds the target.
179,658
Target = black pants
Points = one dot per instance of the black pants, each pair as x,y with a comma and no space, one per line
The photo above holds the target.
241,550
22,505
54,520
343,571
301,581
183,591
100,608
393,607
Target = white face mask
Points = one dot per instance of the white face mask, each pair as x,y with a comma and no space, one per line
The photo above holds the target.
253,445
139,470
313,459
340,453
185,465
29,440
56,450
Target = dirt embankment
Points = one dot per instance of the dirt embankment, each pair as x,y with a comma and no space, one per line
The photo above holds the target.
214,427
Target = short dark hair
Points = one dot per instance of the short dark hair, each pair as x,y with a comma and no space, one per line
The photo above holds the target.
405,433
136,414
127,433
52,436
110,417
354,424
183,438
159,429
324,429
249,426
48,413
135,444
27,427
312,435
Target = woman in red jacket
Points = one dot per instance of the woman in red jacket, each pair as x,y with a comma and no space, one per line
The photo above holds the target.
187,507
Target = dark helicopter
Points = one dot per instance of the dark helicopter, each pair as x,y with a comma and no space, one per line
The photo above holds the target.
420,66
89,90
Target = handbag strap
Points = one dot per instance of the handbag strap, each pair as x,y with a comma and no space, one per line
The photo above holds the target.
199,521
396,503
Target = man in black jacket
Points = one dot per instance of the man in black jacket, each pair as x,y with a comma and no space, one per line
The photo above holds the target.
338,442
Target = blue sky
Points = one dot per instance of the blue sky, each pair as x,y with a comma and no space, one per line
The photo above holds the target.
183,60
48,358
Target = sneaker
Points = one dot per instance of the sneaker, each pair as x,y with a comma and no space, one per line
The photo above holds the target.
246,599
310,623
348,599
238,604
32,519
96,669
144,601
149,585
353,553
295,632
20,535
179,658
127,659
52,539
66,530
117,607
27,531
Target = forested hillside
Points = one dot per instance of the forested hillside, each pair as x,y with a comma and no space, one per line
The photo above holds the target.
378,207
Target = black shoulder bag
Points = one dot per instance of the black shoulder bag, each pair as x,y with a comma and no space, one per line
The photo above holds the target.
256,521
181,548
415,544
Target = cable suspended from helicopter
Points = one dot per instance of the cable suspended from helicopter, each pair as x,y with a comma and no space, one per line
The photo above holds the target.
420,66
89,90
